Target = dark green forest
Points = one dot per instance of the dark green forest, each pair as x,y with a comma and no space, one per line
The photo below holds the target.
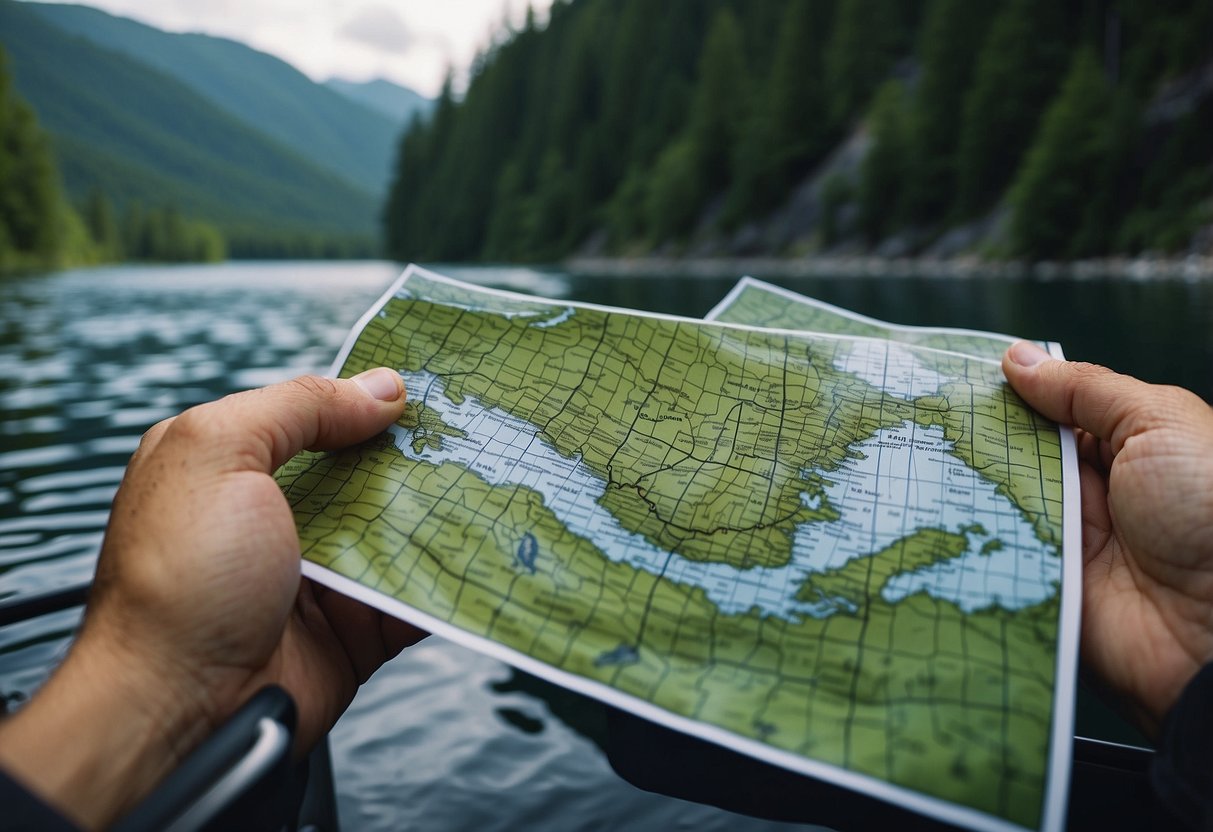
40,228
1056,128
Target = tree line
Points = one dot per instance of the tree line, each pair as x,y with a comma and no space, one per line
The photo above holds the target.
40,228
629,126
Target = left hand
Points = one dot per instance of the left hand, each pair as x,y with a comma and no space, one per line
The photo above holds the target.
198,601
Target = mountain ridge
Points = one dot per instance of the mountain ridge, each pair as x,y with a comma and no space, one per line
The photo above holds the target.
259,89
140,135
396,102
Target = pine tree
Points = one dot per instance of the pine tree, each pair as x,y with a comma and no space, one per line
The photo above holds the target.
30,201
134,240
1021,62
883,173
861,50
788,127
675,192
1063,168
102,227
949,46
718,108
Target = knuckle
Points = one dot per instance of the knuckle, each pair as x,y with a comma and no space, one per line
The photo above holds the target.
314,386
155,433
194,425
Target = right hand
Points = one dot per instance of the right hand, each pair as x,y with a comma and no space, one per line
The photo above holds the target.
1146,473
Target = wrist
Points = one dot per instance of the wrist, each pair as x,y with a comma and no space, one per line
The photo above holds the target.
100,735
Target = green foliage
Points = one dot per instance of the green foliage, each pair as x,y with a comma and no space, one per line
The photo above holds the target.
948,49
1020,63
98,215
633,123
162,235
884,170
1053,193
626,210
29,186
787,130
1176,191
862,49
718,109
675,191
836,192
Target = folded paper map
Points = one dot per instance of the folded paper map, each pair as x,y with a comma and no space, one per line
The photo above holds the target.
851,554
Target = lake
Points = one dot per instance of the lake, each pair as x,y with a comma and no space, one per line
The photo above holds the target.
441,738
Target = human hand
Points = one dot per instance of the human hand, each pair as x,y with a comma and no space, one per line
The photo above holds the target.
198,602
1146,472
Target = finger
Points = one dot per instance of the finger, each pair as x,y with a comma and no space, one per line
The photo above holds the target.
1096,519
365,633
261,429
1104,403
147,445
1093,451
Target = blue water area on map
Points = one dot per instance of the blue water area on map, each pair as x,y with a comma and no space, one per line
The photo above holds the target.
901,480
623,654
891,368
528,551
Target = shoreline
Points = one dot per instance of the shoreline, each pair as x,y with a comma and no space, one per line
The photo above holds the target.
1190,268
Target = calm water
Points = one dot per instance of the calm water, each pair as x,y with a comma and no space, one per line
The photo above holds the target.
441,738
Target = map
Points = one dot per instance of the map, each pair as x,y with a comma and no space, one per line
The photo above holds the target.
756,303
839,554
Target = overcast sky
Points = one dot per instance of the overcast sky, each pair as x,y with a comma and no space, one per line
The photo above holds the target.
411,42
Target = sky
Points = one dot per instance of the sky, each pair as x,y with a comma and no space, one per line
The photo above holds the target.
411,42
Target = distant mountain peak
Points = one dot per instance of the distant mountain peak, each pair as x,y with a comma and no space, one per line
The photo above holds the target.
385,97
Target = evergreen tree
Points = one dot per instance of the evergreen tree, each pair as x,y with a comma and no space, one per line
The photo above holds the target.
30,202
510,224
787,129
102,227
626,212
1062,171
883,174
1173,198
1022,59
949,46
835,194
675,192
718,108
134,241
861,51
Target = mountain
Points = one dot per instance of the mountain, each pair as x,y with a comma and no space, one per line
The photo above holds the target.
264,92
400,104
140,135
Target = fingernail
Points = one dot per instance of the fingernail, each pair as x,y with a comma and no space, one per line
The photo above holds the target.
1027,354
381,383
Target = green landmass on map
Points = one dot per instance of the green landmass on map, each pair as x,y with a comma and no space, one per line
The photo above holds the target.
758,305
706,439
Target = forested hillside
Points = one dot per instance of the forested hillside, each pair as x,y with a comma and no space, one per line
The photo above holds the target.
40,229
318,124
1034,128
140,146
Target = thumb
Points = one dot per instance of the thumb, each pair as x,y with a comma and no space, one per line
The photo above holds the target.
1104,403
259,430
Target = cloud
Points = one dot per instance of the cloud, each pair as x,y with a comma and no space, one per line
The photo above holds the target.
379,27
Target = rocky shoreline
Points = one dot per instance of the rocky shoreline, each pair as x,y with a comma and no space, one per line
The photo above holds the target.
1190,268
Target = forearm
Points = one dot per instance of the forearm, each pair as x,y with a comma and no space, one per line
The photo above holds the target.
99,735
